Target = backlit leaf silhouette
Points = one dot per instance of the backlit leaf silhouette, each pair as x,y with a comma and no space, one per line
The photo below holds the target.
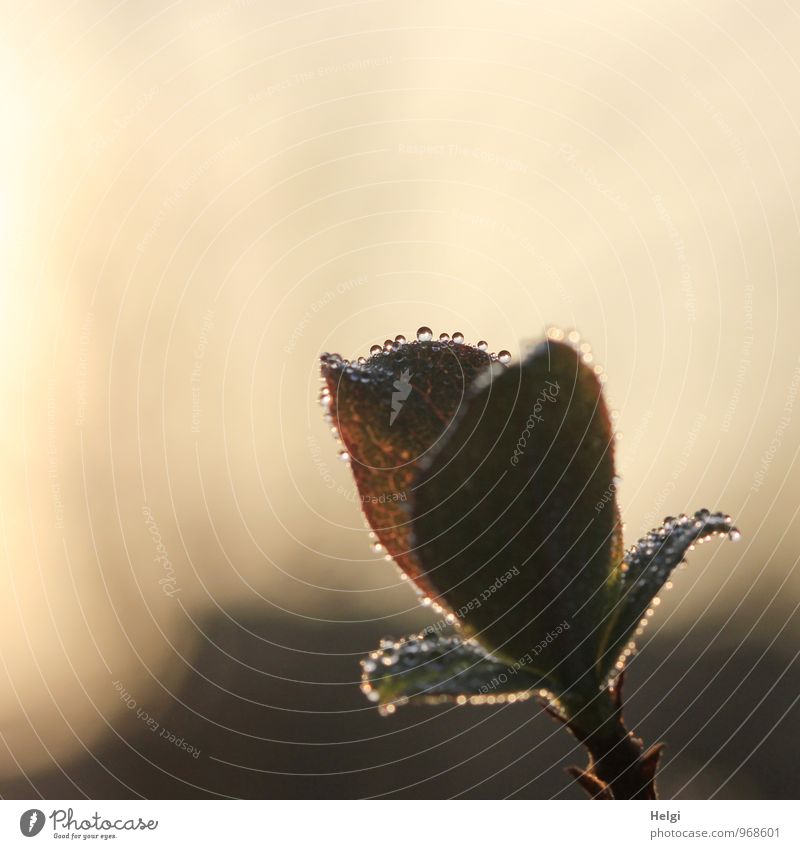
493,488
434,669
386,443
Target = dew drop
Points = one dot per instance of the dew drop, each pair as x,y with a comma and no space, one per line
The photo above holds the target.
388,345
444,337
376,547
482,345
574,336
362,360
344,456
375,349
458,337
400,340
424,334
734,535
504,357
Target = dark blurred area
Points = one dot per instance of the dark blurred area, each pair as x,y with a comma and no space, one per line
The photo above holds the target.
278,722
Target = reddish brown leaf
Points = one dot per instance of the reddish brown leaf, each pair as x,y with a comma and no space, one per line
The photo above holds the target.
390,411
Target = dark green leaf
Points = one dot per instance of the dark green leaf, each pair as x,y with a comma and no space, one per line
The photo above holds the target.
430,670
506,517
646,568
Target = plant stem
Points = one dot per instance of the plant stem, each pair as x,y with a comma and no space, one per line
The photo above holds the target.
619,762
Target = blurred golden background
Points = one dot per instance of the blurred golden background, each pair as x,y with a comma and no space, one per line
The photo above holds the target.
200,197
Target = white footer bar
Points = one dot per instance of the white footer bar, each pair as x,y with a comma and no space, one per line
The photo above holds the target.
398,824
